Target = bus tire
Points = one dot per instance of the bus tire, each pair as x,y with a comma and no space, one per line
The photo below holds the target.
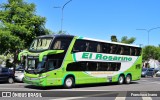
128,79
69,82
121,79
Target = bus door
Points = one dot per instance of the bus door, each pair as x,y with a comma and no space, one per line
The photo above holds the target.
53,66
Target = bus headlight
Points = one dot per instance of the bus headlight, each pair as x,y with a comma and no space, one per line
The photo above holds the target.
43,76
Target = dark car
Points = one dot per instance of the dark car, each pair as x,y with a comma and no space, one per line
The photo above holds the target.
6,75
147,72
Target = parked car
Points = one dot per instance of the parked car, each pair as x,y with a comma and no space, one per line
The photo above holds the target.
158,74
147,72
144,71
6,75
19,73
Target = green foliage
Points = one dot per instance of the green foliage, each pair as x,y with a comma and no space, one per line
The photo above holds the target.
61,32
151,52
3,58
114,38
9,41
19,25
124,39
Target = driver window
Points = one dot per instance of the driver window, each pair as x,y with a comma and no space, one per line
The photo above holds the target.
51,65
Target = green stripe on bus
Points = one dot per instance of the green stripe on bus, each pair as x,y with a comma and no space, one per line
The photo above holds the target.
74,57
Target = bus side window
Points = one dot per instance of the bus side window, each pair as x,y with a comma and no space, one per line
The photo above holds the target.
64,45
99,49
92,66
87,46
57,45
93,47
136,52
122,50
130,51
105,48
79,46
126,50
113,49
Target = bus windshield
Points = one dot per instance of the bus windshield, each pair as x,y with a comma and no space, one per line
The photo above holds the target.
40,44
34,66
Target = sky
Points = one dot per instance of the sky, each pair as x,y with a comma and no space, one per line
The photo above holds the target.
100,19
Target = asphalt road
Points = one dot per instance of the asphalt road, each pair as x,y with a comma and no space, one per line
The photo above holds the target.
144,89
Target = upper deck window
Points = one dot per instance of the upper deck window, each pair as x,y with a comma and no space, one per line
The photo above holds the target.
40,44
61,44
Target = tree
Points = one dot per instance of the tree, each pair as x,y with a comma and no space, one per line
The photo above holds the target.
9,42
114,38
151,52
124,39
20,25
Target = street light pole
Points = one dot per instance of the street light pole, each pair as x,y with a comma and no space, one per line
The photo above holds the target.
62,15
148,31
62,9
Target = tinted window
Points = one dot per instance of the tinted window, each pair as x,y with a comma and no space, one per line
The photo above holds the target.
135,51
4,70
53,64
92,46
80,46
106,48
126,50
86,46
61,44
93,66
113,49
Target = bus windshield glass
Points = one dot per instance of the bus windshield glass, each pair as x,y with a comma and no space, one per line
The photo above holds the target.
40,44
34,66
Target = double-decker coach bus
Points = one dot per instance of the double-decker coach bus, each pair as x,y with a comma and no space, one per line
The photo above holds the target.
69,60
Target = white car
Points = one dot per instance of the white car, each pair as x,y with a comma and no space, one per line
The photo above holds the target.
158,74
19,74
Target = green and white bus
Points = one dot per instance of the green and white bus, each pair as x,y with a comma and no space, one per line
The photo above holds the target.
54,60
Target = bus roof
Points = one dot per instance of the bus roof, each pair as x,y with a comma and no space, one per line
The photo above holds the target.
91,39
56,35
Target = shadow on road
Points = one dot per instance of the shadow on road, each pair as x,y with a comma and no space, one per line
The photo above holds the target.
77,86
43,88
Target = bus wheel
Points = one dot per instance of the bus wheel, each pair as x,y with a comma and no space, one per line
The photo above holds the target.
10,80
69,82
128,79
121,79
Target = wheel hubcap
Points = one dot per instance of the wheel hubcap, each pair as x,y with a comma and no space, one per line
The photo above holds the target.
69,82
128,79
121,79
10,80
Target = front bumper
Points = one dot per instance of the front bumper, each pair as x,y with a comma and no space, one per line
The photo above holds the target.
34,81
